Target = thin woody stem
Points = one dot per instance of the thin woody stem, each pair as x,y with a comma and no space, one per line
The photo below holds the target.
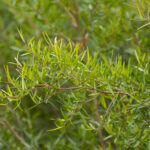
100,135
46,86
21,139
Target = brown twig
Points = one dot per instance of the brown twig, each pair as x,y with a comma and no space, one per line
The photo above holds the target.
100,135
76,13
74,88
21,139
73,19
84,40
46,86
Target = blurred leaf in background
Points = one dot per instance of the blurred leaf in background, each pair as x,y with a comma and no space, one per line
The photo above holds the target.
102,25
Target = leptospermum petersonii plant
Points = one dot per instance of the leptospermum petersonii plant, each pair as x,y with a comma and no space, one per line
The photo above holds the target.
106,100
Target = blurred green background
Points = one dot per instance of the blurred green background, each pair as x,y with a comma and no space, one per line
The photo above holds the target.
102,25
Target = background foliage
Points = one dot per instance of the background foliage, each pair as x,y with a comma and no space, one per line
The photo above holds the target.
81,92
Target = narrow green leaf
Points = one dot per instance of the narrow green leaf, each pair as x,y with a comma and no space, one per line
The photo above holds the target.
51,130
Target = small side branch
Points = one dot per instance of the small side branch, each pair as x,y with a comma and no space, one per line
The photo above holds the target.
21,139
46,86
100,135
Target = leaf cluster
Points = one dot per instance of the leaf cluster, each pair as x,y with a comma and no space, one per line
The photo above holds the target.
79,86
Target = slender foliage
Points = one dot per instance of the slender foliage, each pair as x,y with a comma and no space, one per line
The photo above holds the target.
104,97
